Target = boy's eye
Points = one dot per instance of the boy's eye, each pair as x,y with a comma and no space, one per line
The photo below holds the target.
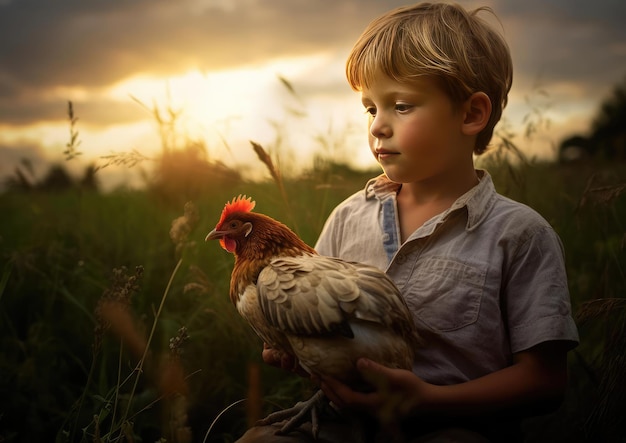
402,107
370,110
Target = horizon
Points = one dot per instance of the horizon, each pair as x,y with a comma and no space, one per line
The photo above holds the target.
273,73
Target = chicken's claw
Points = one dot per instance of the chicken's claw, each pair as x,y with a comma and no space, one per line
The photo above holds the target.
298,415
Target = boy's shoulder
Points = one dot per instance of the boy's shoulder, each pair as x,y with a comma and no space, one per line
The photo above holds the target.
485,205
514,223
516,212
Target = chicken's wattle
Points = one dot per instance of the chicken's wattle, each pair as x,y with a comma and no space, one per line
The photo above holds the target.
228,243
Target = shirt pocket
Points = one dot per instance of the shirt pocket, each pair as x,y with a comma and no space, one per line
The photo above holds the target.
445,294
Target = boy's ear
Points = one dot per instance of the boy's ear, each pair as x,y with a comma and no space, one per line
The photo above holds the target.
477,111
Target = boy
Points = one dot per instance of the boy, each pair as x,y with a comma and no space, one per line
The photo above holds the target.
483,275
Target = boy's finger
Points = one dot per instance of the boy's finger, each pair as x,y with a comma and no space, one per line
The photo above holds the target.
329,391
374,373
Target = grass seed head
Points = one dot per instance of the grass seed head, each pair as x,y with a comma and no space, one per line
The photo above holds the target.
115,301
183,226
177,342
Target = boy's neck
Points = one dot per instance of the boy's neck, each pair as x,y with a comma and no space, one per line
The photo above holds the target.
441,188
419,201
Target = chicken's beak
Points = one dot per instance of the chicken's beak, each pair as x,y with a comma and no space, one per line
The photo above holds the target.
215,235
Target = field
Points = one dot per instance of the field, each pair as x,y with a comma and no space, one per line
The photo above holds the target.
115,322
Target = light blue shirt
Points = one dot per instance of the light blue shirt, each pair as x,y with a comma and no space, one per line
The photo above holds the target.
484,279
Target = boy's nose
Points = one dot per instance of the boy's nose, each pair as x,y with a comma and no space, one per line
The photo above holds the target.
379,127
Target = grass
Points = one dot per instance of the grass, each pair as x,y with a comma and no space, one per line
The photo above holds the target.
59,250
115,324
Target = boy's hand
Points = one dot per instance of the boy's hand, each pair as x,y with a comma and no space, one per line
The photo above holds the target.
397,392
282,360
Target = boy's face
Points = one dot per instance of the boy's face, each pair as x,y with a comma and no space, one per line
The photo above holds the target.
414,129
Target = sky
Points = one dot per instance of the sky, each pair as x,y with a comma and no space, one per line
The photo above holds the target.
271,71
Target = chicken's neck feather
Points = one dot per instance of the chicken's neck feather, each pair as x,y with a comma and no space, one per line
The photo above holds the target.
269,239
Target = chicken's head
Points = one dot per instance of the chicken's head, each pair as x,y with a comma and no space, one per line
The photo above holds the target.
234,224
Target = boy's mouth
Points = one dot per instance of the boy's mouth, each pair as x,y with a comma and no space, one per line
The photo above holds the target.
384,153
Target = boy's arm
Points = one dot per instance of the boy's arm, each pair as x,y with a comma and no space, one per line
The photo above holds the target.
533,384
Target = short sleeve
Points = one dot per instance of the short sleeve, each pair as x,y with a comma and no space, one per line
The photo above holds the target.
536,295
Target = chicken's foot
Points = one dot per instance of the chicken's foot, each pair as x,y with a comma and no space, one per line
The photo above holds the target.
298,414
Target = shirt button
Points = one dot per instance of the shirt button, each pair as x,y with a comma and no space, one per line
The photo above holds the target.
385,238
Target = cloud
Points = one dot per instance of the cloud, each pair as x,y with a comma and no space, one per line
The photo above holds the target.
51,52
95,112
99,43
568,13
568,40
47,48
95,44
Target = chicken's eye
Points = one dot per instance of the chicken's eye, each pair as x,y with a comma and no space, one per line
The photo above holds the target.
234,224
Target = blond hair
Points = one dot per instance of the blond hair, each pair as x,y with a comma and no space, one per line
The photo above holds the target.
441,40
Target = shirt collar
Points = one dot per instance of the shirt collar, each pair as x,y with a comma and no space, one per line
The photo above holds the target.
380,188
477,200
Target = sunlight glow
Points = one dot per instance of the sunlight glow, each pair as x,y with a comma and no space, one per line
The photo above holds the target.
209,98
252,103
224,110
227,109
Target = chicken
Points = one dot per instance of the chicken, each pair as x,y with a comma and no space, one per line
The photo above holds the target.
323,311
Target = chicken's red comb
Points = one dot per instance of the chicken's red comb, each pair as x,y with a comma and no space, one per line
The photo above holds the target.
241,203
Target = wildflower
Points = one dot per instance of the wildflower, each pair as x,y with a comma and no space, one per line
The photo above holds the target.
177,342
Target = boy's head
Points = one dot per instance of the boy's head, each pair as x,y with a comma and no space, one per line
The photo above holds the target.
440,40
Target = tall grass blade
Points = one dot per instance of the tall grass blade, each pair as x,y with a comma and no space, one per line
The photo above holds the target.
6,273
225,410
